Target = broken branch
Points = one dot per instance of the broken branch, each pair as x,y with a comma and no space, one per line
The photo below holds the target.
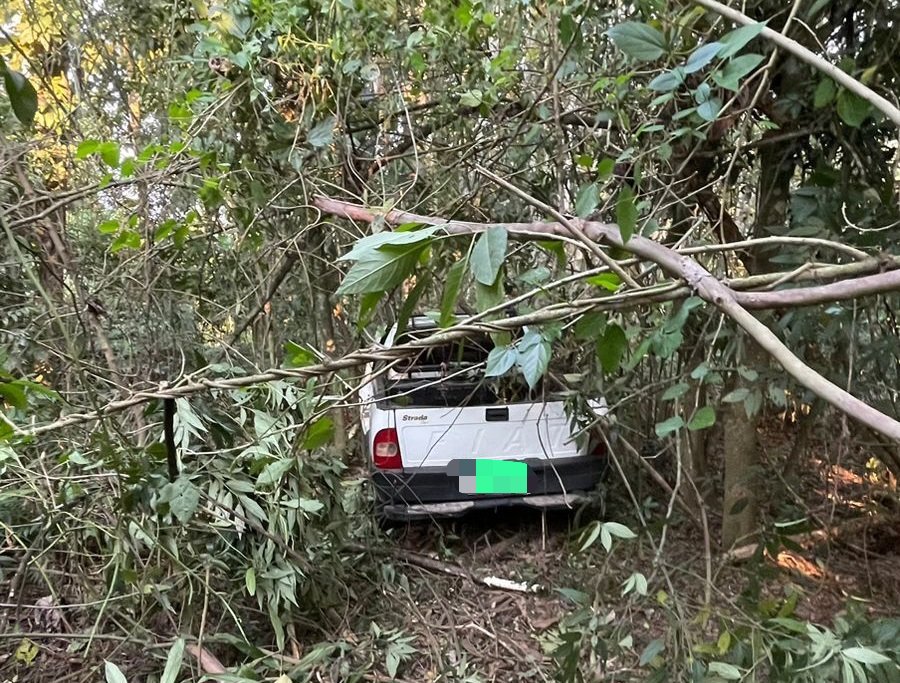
700,280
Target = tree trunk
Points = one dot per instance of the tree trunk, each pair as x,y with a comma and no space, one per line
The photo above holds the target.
740,504
324,308
741,445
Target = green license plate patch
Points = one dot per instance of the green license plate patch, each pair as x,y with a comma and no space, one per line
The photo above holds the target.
481,476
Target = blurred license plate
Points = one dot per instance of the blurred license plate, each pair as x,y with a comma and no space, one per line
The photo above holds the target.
482,476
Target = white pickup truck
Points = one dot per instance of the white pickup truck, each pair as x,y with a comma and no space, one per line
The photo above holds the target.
441,440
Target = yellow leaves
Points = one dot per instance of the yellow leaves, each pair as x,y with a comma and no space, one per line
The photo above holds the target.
35,25
27,651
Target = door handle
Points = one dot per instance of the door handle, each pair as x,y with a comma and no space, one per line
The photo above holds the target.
496,414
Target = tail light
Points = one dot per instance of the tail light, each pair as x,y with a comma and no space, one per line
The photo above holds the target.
386,450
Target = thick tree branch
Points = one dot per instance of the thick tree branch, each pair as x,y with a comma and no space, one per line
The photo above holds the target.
820,294
701,281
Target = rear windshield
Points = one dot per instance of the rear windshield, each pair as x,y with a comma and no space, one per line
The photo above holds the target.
451,375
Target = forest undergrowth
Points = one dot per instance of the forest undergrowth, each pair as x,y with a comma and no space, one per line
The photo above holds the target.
609,592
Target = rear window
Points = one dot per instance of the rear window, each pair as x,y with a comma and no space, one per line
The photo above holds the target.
451,375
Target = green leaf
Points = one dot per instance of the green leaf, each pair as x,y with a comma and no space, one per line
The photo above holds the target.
108,227
611,348
14,394
556,249
606,167
575,596
250,581
322,133
619,530
724,670
626,213
667,80
587,200
748,374
371,243
703,418
274,471
22,95
381,269
790,624
736,396
412,299
824,94
252,508
608,281
654,647
305,504
730,77
183,498
535,276
733,42
173,662
605,539
471,98
533,357
392,662
753,403
86,148
109,152
864,655
589,536
673,424
590,325
488,296
709,109
319,433
264,426
675,391
638,40
666,342
701,371
500,360
852,109
367,304
450,296
114,674
488,255
295,356
702,56
127,239
637,582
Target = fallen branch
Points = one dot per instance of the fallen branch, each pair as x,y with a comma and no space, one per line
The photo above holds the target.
836,291
671,261
435,565
700,280
191,384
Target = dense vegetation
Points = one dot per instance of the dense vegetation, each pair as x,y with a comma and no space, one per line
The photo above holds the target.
225,203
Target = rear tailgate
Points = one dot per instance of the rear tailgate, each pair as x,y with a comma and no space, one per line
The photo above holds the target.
432,437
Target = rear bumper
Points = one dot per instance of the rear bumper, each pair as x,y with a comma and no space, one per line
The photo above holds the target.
428,491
